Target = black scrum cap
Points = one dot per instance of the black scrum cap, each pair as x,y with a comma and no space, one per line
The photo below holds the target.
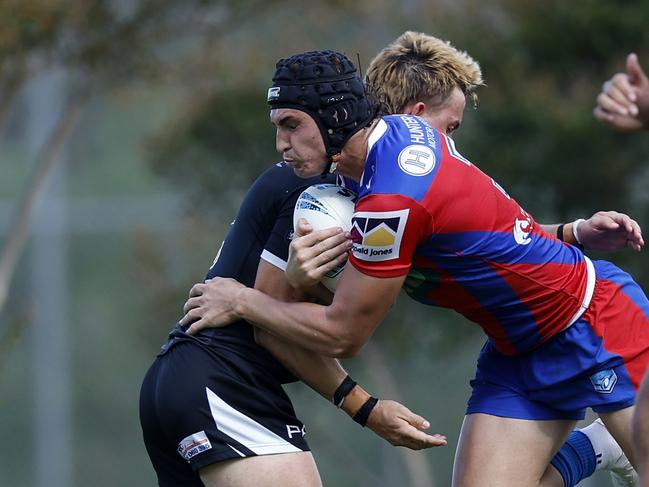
325,85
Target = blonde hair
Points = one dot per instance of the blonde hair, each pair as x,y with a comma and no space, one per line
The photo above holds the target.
419,67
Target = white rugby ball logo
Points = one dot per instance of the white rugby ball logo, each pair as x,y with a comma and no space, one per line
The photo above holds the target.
325,206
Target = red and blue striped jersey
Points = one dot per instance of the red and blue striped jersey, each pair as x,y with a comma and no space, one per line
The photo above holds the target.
426,211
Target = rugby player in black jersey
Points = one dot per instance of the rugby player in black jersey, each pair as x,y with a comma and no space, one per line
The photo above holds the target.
212,407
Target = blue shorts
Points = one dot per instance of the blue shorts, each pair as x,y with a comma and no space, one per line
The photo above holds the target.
597,363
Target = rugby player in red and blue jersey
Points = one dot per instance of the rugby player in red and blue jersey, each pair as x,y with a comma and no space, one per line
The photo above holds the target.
212,408
564,333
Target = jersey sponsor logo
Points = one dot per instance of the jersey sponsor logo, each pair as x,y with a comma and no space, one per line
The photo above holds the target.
604,381
522,230
376,235
193,445
417,160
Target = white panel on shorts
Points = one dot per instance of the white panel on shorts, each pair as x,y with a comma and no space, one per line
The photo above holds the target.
245,430
588,293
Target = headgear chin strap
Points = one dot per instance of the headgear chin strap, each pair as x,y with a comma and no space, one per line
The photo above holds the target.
325,85
332,164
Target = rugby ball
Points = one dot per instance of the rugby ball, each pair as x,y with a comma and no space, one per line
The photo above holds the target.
325,206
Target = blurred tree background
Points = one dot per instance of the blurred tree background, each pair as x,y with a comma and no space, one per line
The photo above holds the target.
130,130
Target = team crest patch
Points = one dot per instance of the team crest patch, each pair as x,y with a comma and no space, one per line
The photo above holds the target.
417,160
193,445
604,381
522,230
376,235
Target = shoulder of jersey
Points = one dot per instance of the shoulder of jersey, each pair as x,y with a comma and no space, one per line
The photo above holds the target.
286,173
404,156
280,178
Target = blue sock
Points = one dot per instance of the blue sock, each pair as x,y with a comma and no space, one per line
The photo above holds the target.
576,459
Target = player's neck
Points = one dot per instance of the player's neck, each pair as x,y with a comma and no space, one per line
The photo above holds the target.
354,154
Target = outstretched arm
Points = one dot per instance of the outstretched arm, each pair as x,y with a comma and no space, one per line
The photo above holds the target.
624,100
313,254
338,330
389,419
604,231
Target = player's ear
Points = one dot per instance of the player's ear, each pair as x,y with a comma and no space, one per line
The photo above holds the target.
416,108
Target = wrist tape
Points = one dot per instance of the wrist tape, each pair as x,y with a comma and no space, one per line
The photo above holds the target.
343,389
364,412
575,233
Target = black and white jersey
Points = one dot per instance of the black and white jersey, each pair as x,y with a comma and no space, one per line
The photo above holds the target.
218,396
262,229
264,225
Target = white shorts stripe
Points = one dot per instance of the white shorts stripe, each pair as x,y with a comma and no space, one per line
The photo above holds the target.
245,430
238,452
588,293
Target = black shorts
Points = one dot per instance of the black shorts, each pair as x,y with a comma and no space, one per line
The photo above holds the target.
200,405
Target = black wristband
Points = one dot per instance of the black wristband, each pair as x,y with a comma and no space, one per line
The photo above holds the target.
343,389
364,412
560,232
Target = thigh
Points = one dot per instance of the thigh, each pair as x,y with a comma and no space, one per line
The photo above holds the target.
170,468
619,314
210,407
283,470
618,423
573,371
495,451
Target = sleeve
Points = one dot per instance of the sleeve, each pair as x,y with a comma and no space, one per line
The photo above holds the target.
386,229
245,240
263,227
276,248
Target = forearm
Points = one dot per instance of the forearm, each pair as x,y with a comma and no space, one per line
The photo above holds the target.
305,324
567,234
322,374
